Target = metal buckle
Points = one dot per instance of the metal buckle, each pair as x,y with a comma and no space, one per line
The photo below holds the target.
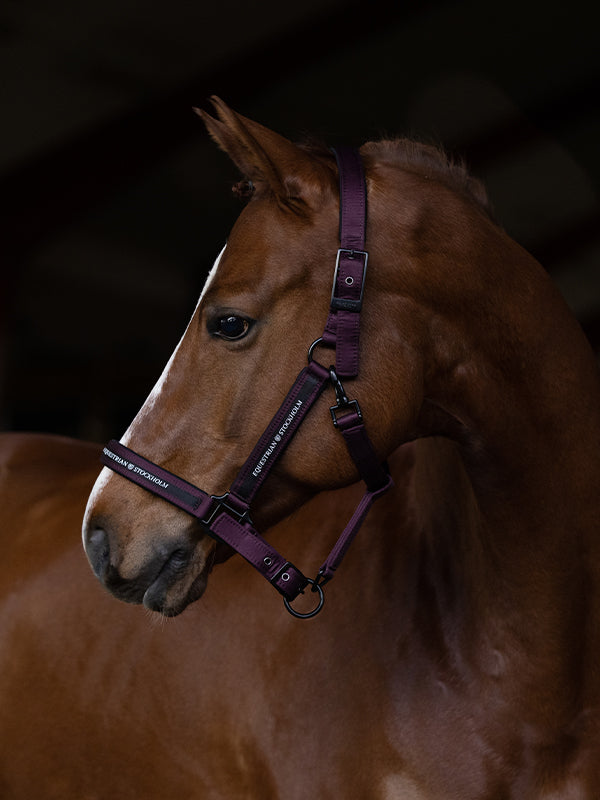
221,505
339,302
350,403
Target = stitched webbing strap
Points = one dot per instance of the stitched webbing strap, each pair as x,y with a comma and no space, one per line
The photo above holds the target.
371,470
334,559
343,323
307,387
155,479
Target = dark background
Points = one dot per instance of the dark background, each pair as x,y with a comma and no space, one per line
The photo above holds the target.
115,203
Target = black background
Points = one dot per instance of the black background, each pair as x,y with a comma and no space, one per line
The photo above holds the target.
115,203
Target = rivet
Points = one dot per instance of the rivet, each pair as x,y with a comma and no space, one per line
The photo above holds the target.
285,576
349,280
268,561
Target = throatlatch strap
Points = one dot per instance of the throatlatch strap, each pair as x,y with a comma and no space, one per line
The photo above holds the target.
371,470
334,559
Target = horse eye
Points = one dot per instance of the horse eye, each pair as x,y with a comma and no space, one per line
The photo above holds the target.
230,327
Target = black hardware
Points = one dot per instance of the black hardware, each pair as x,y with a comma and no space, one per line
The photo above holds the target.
342,401
221,504
345,303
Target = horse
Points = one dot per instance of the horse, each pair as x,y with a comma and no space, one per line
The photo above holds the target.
456,656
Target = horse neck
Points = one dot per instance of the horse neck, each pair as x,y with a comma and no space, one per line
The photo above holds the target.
512,383
515,383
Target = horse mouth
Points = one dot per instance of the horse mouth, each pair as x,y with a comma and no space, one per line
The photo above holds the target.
181,580
166,575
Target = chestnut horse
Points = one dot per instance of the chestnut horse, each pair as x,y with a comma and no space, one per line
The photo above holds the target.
457,655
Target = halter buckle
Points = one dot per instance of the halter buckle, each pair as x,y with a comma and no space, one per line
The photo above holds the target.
343,303
221,505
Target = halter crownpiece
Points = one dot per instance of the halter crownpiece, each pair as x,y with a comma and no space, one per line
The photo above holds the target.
227,517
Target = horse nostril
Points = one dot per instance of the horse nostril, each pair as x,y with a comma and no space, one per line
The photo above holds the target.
179,558
97,548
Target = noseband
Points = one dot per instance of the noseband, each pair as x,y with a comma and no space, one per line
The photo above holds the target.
227,517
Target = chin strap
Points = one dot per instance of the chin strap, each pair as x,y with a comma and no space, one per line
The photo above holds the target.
227,517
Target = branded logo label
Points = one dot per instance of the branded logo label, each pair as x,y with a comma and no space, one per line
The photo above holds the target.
276,439
135,469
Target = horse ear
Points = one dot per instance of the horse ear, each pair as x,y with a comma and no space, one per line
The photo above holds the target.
265,157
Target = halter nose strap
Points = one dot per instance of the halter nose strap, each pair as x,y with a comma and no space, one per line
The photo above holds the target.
227,517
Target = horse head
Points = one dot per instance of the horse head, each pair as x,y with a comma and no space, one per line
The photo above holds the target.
264,302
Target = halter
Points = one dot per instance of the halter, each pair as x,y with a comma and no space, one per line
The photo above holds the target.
227,517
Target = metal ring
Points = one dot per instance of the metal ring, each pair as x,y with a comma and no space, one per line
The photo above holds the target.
312,613
311,349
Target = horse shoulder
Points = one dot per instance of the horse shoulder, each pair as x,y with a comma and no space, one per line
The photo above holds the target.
44,485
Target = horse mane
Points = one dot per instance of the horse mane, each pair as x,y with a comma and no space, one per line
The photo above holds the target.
429,161
432,163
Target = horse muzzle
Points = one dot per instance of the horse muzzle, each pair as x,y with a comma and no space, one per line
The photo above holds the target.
169,575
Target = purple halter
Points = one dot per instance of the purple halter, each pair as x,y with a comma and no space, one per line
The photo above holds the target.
227,517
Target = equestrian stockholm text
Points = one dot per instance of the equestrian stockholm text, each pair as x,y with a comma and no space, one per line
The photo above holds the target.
276,440
135,469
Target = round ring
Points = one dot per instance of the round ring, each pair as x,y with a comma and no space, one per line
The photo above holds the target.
309,614
311,349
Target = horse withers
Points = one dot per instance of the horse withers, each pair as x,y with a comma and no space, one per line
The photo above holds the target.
456,653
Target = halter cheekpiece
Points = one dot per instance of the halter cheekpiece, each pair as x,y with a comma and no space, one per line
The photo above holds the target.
227,517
